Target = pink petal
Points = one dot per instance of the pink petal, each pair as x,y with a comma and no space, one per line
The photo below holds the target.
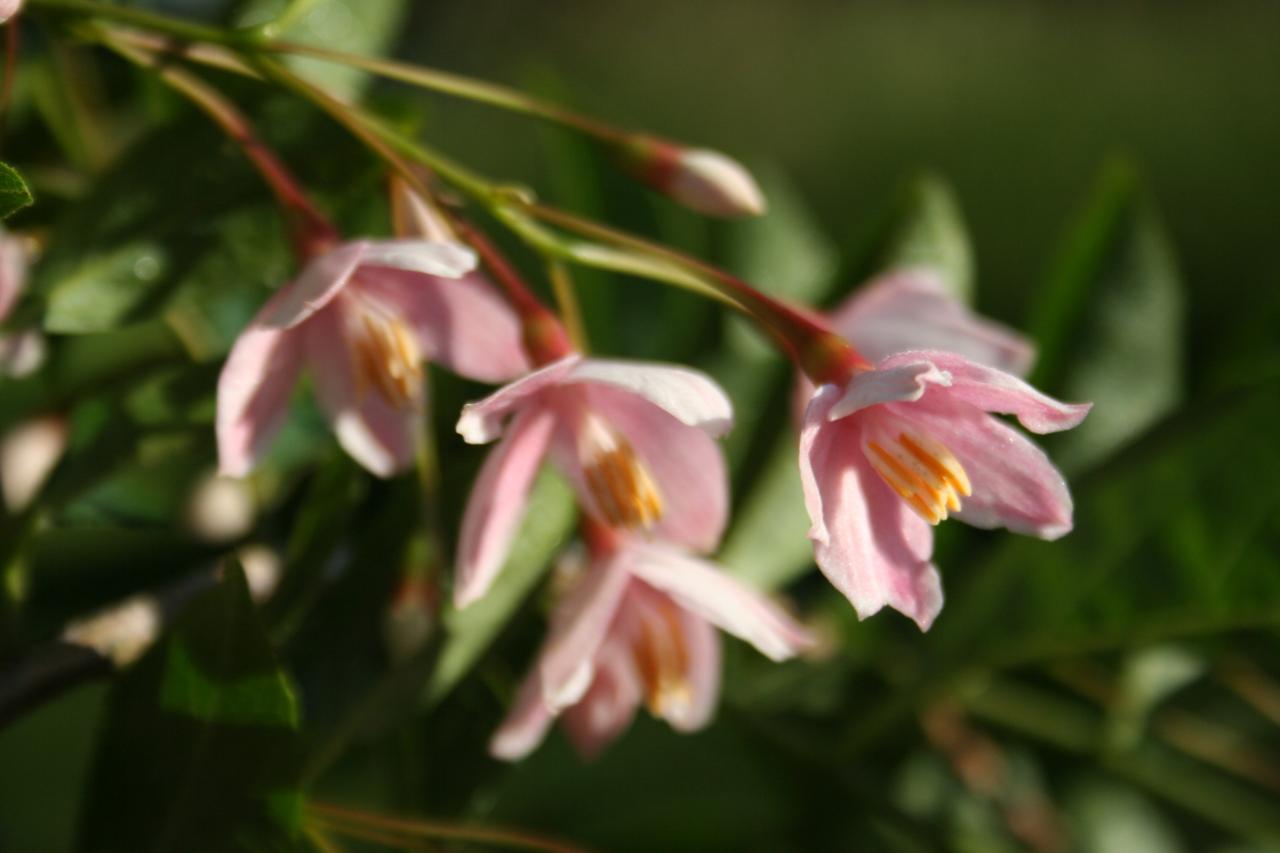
321,280
995,391
903,380
1014,483
702,644
686,464
579,627
481,421
705,589
497,504
609,706
429,257
461,323
381,437
254,389
910,309
688,395
866,541
13,272
525,725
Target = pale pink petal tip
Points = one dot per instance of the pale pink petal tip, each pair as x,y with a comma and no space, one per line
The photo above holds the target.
482,421
688,395
447,259
703,588
526,724
714,184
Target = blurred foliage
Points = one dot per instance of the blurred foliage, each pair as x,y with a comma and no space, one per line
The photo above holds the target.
1116,690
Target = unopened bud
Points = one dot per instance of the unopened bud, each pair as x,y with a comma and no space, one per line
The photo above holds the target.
220,509
703,180
28,454
414,216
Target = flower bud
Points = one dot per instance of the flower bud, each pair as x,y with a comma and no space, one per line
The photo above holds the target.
28,454
413,216
703,180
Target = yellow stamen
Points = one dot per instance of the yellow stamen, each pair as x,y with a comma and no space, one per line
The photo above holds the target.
385,355
661,655
923,472
624,492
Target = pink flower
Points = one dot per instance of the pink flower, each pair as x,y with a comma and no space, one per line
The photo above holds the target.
9,8
639,626
634,439
362,318
900,446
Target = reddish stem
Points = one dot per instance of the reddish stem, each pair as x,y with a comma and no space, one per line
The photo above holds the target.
545,337
803,335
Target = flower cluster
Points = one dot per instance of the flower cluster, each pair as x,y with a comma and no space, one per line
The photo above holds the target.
896,411
894,437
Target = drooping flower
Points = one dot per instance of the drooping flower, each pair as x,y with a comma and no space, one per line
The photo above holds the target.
639,627
635,439
897,448
362,318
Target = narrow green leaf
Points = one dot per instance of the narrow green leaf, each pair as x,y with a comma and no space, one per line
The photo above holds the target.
366,27
181,218
548,521
14,192
200,749
1109,323
767,544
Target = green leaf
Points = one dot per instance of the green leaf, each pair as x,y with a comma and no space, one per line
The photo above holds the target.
14,192
200,749
767,544
922,226
1109,323
180,226
1173,538
366,27
548,521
